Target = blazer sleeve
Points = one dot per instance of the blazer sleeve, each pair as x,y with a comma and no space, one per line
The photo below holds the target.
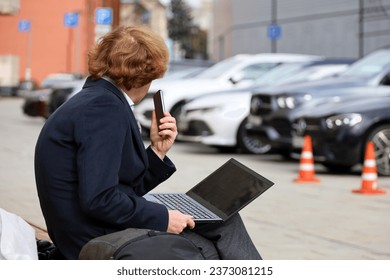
158,171
101,135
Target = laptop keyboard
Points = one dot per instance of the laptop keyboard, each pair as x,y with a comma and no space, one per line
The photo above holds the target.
183,204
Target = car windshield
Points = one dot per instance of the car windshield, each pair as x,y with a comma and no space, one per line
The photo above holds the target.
369,66
184,74
256,70
220,68
278,73
312,73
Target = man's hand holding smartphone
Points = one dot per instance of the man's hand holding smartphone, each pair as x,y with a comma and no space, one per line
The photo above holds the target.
159,107
162,141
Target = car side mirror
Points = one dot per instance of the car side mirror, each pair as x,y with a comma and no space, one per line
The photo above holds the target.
236,78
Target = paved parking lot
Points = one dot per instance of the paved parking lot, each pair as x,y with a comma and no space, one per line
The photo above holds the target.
290,221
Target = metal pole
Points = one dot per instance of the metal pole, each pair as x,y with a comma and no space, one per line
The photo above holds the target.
361,28
78,48
274,20
69,51
29,53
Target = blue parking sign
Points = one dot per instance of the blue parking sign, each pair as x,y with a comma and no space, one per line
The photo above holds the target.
103,16
274,31
24,25
71,19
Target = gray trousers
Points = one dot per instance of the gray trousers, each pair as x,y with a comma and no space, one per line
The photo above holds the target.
226,241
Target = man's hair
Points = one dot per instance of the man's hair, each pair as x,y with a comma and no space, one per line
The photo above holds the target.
131,56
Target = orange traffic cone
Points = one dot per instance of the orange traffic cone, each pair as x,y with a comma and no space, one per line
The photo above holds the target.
369,174
306,165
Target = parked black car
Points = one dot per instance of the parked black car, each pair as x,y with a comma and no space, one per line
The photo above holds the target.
35,103
340,132
22,88
43,102
273,109
218,119
62,93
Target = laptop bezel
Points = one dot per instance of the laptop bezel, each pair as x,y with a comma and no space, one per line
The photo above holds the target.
214,209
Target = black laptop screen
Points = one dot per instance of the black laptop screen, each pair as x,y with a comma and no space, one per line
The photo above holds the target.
231,187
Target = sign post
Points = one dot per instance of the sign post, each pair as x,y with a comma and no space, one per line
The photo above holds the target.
71,20
103,21
274,32
25,26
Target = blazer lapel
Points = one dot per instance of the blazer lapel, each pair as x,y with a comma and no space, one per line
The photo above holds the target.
136,134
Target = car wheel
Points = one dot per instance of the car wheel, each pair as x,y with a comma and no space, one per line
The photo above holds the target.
250,143
381,139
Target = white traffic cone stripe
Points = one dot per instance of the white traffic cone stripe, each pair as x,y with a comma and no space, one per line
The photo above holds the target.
306,155
306,167
369,176
370,163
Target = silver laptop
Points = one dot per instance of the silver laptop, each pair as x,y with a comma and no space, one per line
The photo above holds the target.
219,196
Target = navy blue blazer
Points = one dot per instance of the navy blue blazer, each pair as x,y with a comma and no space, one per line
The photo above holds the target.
92,169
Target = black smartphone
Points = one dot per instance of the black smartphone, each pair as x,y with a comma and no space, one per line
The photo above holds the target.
159,106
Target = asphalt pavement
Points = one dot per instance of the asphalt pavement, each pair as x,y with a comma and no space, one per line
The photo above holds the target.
291,221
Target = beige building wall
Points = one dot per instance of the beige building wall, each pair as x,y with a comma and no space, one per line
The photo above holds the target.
158,17
149,12
220,31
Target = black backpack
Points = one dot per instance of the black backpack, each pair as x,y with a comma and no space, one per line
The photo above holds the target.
141,244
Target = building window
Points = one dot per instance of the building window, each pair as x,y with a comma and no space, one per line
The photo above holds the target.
9,7
145,17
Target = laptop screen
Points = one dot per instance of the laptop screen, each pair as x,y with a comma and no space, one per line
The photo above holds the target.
231,187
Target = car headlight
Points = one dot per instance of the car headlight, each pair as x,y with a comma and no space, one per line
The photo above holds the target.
286,102
335,122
